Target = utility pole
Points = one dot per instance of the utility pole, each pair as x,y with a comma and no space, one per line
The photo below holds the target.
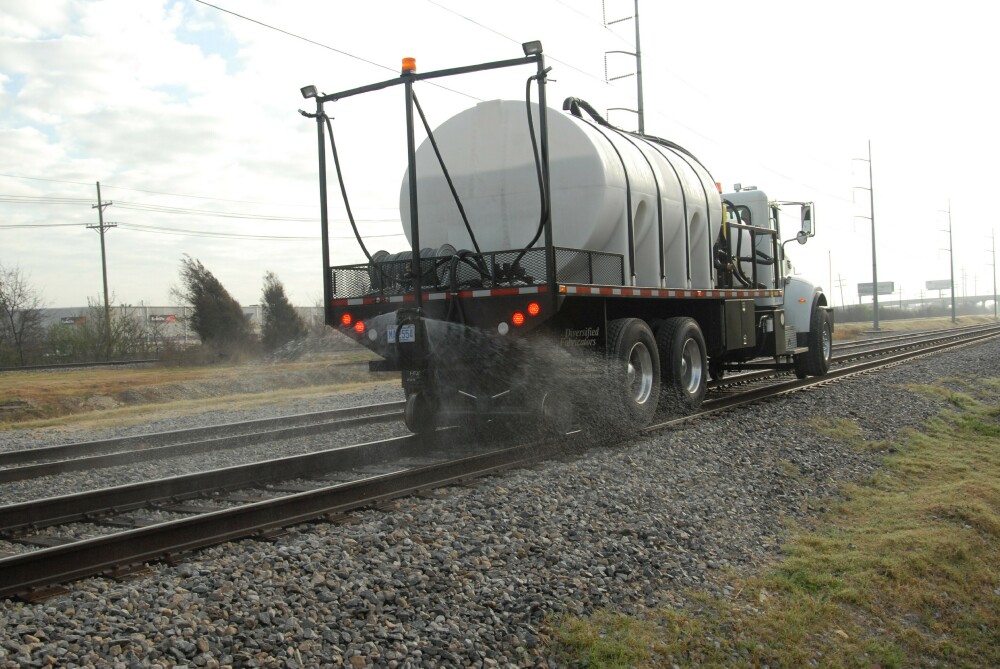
871,196
993,250
637,54
101,227
951,264
829,268
840,284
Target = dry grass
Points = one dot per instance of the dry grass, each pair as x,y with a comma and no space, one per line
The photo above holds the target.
900,574
844,331
94,397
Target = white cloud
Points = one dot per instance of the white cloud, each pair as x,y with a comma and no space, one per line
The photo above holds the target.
178,97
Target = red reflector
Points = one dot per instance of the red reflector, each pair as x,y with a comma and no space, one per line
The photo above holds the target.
534,309
517,318
346,319
359,327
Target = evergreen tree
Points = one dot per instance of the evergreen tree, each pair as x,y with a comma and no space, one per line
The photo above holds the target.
280,322
215,317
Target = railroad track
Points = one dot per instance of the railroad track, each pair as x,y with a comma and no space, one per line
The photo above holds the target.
157,519
37,462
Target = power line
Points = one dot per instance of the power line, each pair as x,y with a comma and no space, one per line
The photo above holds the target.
202,233
42,225
511,39
325,46
138,206
43,199
58,181
155,192
163,209
138,227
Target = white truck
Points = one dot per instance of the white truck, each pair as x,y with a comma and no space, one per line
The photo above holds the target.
552,256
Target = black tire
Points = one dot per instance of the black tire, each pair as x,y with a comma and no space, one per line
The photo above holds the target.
634,387
556,412
716,371
684,364
816,361
419,414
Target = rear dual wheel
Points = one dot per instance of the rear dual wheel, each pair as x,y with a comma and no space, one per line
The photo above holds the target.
684,364
634,387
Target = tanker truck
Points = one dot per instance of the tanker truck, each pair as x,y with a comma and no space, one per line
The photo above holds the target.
563,269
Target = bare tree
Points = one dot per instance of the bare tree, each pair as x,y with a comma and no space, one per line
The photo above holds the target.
20,312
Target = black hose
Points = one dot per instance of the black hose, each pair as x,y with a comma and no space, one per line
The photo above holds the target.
343,189
538,166
538,171
444,170
574,105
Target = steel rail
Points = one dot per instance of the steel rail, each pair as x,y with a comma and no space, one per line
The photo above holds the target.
78,365
916,336
899,343
95,503
188,448
781,388
120,444
92,556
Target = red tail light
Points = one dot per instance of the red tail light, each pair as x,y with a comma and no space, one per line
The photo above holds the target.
534,309
359,327
346,319
517,318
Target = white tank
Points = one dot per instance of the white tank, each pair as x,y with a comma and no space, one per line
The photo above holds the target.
487,150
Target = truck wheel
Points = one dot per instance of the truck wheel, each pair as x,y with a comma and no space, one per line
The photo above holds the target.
716,371
684,364
557,412
816,361
635,368
419,413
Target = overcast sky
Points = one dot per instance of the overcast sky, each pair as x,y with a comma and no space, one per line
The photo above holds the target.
187,115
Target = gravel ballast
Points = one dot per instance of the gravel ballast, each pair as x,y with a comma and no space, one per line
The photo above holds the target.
468,576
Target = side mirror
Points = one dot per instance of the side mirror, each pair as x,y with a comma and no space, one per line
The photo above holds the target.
808,228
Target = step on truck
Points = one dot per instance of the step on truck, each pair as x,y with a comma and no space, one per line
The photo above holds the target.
563,269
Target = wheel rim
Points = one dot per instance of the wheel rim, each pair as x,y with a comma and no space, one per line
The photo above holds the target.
640,373
692,367
827,343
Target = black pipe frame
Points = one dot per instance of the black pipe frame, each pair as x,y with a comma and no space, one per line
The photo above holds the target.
407,79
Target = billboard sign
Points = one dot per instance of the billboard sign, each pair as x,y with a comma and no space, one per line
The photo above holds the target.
162,318
940,284
884,288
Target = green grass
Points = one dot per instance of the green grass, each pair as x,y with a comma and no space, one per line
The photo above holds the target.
902,573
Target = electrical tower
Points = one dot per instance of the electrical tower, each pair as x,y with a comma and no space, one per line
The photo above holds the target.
637,54
871,196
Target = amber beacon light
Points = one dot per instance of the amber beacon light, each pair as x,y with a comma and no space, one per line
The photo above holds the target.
409,65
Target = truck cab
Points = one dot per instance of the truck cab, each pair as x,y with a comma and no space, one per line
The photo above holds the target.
795,321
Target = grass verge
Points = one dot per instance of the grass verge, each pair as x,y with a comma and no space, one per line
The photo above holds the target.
901,573
87,397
